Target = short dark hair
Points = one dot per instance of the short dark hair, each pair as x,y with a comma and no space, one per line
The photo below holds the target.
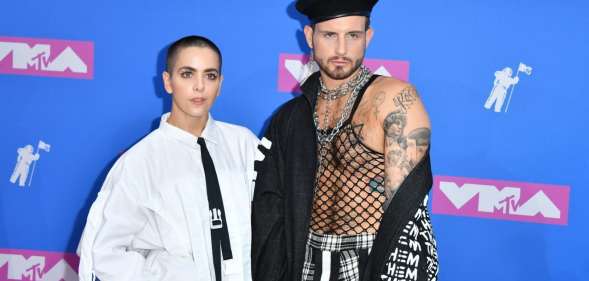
190,41
366,26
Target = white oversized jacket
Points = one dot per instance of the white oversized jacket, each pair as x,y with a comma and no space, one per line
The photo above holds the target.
151,220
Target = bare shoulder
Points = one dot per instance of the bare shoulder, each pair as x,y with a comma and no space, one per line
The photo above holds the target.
400,98
389,84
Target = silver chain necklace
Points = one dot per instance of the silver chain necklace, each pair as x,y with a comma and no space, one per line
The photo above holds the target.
324,135
341,90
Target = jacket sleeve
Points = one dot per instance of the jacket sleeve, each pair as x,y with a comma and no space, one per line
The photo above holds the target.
405,247
413,256
268,238
114,219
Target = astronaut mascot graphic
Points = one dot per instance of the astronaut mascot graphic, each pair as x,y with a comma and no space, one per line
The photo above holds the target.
503,81
23,162
25,158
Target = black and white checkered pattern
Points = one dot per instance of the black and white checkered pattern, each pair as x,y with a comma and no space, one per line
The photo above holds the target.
347,247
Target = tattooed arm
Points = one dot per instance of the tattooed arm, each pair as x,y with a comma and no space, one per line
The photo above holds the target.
406,132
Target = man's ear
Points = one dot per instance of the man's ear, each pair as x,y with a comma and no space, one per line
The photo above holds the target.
369,34
308,30
167,83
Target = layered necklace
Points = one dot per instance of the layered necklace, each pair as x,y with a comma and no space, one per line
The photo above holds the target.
354,86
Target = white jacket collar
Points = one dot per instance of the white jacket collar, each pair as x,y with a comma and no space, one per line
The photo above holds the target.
209,133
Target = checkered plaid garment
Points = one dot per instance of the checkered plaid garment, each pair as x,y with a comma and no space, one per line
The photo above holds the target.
345,248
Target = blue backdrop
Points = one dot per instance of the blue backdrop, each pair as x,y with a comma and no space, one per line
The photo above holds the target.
454,49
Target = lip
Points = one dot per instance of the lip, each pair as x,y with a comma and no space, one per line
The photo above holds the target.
339,62
197,101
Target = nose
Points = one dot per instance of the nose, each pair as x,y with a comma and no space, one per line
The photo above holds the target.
199,85
341,47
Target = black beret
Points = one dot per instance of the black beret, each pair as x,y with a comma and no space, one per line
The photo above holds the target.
322,10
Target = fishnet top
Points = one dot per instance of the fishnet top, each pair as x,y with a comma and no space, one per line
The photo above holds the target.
349,185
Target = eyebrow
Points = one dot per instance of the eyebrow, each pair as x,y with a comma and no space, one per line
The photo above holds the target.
335,32
208,70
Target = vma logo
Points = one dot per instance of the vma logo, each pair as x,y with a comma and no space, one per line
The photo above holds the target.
37,266
293,69
517,201
47,57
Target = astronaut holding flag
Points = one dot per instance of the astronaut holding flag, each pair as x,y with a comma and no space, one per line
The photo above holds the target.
503,81
23,161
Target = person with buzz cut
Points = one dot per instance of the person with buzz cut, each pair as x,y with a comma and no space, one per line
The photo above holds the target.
176,206
342,191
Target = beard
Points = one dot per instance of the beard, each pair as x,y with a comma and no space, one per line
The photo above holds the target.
339,72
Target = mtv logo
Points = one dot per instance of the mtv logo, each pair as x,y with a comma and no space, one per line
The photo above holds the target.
47,57
28,265
293,69
505,200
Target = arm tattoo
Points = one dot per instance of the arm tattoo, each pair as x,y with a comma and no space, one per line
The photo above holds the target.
393,125
377,101
421,139
403,151
405,99
402,156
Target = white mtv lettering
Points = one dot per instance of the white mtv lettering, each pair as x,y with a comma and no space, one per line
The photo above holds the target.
24,57
539,203
21,268
505,200
68,59
61,271
491,199
459,195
